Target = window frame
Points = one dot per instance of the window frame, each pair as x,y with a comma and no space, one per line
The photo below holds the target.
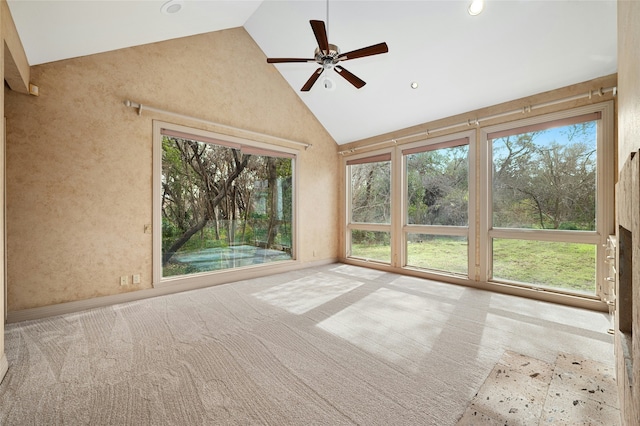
223,275
468,231
350,225
604,197
480,232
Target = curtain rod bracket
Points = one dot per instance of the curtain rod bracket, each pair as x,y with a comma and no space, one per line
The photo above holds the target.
134,105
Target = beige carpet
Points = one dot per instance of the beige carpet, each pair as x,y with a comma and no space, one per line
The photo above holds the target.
328,346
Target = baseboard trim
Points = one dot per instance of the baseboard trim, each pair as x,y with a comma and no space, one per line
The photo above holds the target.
98,302
4,366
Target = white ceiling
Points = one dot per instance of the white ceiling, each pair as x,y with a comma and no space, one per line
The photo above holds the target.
513,49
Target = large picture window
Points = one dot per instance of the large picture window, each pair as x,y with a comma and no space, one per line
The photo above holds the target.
545,177
224,204
543,201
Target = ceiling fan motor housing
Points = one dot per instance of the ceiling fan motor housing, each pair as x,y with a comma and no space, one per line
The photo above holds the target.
327,60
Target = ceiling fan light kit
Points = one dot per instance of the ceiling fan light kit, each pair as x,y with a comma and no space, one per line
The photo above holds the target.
476,7
328,84
328,55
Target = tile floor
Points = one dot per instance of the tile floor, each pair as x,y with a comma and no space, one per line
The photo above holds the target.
524,391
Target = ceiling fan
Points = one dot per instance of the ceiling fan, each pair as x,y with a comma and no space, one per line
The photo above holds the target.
328,56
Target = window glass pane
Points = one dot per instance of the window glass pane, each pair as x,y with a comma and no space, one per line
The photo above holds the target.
221,208
371,245
438,187
566,266
438,252
371,192
546,179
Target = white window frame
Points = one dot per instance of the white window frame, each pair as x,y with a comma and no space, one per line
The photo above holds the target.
225,275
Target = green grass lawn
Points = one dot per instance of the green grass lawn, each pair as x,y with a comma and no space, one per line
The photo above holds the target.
566,266
381,253
448,254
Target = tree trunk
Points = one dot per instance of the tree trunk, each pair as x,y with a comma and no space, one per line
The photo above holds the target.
213,202
228,217
168,254
232,218
247,212
272,202
216,224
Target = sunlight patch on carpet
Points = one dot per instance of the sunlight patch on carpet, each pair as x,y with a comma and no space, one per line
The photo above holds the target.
430,288
391,324
302,295
358,272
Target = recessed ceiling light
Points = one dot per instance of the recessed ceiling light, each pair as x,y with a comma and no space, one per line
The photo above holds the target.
475,8
414,84
171,7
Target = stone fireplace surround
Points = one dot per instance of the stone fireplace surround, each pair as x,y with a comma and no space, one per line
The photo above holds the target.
627,317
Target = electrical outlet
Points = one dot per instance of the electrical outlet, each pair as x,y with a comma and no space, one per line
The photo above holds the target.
135,279
123,280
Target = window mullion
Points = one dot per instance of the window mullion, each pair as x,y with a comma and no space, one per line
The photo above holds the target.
397,210
486,195
461,231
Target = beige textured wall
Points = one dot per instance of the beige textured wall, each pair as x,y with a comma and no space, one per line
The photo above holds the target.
628,81
629,141
79,161
3,357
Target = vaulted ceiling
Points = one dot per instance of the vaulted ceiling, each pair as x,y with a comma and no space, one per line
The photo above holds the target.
460,62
